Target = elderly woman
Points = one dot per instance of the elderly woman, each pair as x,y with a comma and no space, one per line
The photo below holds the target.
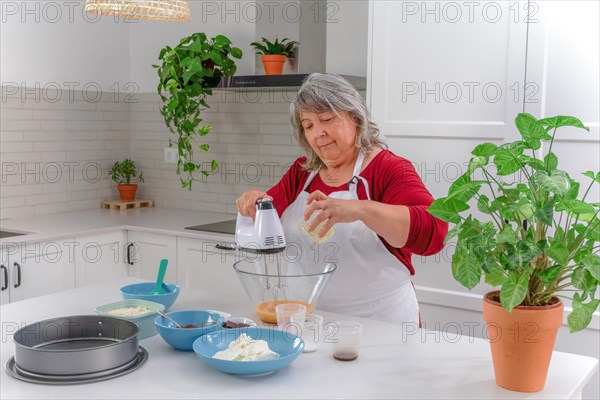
373,199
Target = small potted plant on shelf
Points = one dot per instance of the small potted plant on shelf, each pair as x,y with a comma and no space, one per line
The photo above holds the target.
187,76
538,242
274,54
123,173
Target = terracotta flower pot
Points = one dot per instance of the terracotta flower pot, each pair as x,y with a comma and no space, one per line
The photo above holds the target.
521,341
273,63
127,192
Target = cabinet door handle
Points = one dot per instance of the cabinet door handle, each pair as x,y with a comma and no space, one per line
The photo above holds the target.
16,264
5,272
129,246
230,247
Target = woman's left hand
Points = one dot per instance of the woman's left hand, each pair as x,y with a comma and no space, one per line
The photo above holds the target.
332,210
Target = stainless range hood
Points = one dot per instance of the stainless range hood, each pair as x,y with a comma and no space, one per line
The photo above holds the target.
279,81
296,20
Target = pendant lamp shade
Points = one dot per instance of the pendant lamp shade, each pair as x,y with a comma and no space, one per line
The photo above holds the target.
157,10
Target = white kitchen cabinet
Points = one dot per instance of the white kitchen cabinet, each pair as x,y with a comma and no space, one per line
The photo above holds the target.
447,69
204,266
144,252
37,268
100,258
4,279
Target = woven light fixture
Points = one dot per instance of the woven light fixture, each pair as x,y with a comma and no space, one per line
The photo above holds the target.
157,10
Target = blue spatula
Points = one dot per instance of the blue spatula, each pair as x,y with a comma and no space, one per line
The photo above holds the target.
159,289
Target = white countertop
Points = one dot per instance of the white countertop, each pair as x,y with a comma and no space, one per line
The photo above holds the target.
91,222
419,365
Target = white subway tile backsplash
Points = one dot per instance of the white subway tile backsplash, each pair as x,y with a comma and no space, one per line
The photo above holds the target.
151,115
83,155
239,138
56,147
18,125
16,212
78,205
45,103
83,105
246,128
11,102
50,146
22,189
147,125
210,207
48,199
85,145
45,136
80,115
57,187
83,135
87,125
20,157
16,114
280,150
239,107
112,106
120,125
251,140
277,139
11,136
15,201
85,195
49,114
53,125
281,118
51,208
275,108
276,129
54,156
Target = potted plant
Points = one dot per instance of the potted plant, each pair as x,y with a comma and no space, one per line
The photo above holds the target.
123,173
187,75
538,242
274,54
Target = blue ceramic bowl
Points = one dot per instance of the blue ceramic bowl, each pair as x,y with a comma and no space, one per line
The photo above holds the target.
183,338
285,344
139,291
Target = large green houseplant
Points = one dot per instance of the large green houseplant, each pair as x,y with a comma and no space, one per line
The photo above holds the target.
187,76
536,235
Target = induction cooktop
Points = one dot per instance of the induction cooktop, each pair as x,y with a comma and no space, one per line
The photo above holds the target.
227,227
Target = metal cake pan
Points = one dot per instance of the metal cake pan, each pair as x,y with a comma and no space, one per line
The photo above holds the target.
76,345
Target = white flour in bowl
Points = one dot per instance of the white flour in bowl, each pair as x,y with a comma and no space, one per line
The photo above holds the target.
129,311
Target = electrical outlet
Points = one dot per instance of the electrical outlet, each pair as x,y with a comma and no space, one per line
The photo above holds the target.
171,155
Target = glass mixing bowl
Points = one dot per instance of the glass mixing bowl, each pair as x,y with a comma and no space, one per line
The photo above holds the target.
269,283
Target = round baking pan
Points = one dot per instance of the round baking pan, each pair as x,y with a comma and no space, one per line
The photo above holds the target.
76,345
15,372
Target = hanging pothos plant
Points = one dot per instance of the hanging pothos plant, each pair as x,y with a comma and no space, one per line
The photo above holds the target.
187,75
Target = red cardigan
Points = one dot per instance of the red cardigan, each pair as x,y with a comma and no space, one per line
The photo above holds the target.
392,180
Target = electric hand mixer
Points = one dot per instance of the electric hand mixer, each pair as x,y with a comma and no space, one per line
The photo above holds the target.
263,235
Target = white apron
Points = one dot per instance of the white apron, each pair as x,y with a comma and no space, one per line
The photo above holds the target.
369,282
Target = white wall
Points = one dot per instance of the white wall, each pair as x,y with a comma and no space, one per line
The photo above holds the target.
55,43
347,36
232,19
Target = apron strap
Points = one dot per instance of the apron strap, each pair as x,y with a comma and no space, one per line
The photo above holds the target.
309,180
353,184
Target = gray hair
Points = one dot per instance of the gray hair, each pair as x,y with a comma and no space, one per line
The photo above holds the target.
331,93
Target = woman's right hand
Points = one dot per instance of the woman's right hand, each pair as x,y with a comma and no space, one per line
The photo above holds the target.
246,203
